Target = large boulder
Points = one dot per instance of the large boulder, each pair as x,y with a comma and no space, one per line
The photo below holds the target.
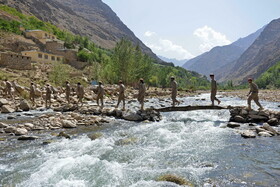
3,102
68,124
248,134
267,127
24,137
239,119
233,125
24,105
10,129
7,109
20,131
264,134
132,116
273,122
3,125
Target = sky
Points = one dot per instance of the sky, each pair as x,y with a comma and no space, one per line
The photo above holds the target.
183,29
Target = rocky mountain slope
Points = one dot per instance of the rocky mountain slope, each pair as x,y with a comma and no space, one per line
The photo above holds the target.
176,62
219,57
91,18
260,56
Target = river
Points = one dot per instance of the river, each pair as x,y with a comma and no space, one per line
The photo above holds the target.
194,145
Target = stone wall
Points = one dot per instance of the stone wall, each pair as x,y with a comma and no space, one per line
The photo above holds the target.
15,61
53,46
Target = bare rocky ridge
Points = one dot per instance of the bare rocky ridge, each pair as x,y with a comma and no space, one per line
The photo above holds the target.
91,18
260,56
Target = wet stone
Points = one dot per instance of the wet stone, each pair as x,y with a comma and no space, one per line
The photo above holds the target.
233,125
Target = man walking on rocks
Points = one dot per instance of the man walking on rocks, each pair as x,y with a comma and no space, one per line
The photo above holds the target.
48,96
100,94
213,90
174,91
142,92
8,89
121,95
253,94
80,93
67,91
32,93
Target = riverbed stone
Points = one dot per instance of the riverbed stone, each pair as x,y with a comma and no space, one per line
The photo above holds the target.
248,134
132,116
7,109
24,105
25,137
265,134
68,124
29,125
3,102
20,131
3,125
267,127
233,125
64,134
239,119
10,129
273,122
257,117
95,136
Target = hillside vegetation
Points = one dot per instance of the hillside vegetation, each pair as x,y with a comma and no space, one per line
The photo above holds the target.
125,62
271,78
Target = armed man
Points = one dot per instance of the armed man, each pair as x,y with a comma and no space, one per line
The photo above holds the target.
174,91
141,93
213,90
253,94
80,93
67,91
48,96
100,93
121,95
32,93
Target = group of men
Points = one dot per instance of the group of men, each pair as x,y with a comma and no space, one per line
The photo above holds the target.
49,90
252,95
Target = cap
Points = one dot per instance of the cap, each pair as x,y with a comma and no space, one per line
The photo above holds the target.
211,74
141,79
100,82
172,77
250,79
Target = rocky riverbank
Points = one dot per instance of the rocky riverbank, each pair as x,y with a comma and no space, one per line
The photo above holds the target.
251,123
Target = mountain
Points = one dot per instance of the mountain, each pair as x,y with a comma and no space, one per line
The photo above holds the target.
259,57
221,56
175,61
91,18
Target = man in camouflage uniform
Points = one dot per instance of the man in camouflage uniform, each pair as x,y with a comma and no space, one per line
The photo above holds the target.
67,91
100,94
121,95
48,96
253,94
32,93
142,92
80,93
213,90
174,91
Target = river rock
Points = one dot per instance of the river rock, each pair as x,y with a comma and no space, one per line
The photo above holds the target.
7,109
64,134
68,124
244,112
239,119
253,112
132,116
264,134
258,117
24,105
273,122
233,125
29,125
248,134
267,127
20,131
28,137
76,116
3,102
10,129
119,113
3,125
263,113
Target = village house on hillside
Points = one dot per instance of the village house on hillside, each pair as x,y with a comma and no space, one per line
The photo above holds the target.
42,57
15,61
40,35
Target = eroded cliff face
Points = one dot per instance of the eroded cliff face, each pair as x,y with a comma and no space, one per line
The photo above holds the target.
91,18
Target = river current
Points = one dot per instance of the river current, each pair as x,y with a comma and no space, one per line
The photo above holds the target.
194,145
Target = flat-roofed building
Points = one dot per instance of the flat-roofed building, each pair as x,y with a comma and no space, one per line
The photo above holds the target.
43,57
15,61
